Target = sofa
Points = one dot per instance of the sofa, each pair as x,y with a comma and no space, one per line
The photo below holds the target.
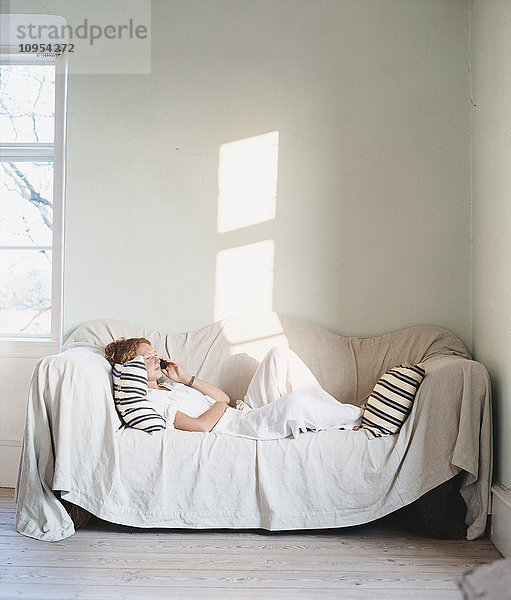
76,451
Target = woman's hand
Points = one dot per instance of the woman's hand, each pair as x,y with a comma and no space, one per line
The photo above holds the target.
176,373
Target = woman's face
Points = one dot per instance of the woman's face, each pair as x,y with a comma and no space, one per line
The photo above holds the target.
151,360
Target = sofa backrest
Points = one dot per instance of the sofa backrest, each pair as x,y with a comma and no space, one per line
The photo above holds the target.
228,352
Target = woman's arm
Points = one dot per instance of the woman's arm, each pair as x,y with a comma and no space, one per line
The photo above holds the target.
204,423
208,389
177,374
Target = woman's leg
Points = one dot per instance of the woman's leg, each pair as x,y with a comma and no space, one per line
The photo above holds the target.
294,413
281,372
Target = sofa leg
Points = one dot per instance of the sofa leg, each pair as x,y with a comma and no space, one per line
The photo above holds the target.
442,510
79,516
440,513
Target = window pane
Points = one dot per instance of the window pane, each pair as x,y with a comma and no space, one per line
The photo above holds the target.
27,103
25,291
26,204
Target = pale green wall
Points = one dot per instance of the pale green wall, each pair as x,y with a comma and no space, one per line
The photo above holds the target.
491,185
370,99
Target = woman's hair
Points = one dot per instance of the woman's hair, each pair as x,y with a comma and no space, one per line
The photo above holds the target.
123,350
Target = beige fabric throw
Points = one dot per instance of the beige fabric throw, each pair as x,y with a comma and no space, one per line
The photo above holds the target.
74,442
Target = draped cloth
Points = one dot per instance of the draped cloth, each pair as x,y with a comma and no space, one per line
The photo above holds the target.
284,398
75,446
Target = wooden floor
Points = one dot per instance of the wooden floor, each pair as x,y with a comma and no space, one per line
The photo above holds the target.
105,561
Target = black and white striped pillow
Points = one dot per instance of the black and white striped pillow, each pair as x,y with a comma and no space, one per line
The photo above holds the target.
130,396
391,400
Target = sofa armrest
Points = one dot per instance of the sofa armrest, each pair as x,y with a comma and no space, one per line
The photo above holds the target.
70,405
451,418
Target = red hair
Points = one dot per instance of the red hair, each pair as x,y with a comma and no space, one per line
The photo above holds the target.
123,350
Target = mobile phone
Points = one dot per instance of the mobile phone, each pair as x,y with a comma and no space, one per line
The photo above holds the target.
163,363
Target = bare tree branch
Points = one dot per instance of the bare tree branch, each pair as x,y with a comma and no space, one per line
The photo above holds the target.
38,314
44,206
34,125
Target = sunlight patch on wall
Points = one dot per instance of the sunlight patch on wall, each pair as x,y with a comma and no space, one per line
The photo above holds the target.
247,181
255,336
244,279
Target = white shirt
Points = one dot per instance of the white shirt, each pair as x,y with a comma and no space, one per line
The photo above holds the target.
178,397
191,402
293,413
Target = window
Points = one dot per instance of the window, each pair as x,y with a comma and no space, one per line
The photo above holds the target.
32,97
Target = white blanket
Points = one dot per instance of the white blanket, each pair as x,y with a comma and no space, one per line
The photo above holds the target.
73,441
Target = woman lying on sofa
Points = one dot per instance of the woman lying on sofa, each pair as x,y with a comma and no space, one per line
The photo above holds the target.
283,398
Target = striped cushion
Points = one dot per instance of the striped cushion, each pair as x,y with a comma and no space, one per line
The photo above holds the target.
130,395
391,400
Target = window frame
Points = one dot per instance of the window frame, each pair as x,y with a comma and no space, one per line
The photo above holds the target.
45,152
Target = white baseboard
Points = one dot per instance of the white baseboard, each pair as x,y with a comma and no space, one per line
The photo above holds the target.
501,519
11,451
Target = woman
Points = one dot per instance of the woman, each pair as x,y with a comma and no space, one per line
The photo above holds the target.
283,397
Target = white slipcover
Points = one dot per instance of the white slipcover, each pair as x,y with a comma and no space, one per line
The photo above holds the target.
73,441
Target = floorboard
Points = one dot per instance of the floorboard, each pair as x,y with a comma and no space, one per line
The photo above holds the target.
107,561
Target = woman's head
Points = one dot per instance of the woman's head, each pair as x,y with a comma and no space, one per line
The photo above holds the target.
123,350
